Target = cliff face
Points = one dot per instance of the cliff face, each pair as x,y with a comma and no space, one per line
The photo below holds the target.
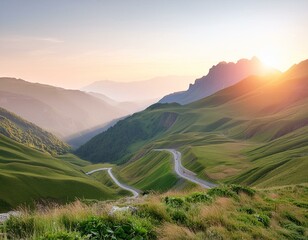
219,77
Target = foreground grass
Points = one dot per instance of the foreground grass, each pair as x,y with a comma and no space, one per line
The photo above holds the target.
226,212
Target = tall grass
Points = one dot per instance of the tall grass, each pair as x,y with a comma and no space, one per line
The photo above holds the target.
265,214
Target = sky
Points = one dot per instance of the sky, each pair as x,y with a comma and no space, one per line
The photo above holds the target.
71,43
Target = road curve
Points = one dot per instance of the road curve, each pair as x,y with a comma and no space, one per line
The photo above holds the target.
185,173
125,187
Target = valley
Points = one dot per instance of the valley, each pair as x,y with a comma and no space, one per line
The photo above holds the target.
238,135
253,133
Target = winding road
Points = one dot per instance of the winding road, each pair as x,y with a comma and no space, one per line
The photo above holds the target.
185,173
125,187
178,168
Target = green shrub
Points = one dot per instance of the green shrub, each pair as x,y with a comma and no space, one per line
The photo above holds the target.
264,219
174,202
242,189
61,236
248,210
179,216
96,228
222,191
231,191
198,197
249,220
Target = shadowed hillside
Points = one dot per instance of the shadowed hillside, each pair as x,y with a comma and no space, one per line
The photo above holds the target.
115,142
29,134
78,139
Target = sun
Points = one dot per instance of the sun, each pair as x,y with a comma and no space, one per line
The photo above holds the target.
269,60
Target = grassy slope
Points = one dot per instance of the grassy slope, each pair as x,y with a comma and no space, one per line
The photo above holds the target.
151,172
253,133
29,134
223,144
27,175
117,145
227,212
73,159
104,178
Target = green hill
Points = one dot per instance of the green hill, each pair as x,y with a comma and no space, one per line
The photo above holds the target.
28,175
115,143
29,134
254,133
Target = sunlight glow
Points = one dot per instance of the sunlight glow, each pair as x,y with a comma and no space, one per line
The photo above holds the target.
270,60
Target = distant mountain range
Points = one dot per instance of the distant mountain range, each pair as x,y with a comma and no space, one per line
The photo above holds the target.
60,111
126,106
219,77
140,91
254,132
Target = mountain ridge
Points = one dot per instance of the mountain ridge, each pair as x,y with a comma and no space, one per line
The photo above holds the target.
137,91
220,76
63,112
